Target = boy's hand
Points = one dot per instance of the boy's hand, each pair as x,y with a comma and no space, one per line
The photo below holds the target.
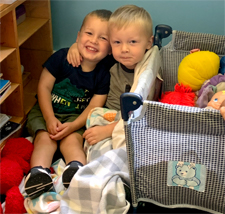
52,125
62,131
74,56
95,134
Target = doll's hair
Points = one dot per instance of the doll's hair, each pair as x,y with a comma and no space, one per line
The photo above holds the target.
127,15
102,14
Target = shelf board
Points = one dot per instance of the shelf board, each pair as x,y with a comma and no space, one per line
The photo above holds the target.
30,90
29,102
5,8
31,87
27,28
26,78
5,51
18,133
13,88
17,119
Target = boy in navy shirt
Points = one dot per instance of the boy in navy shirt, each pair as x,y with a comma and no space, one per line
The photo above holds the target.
66,94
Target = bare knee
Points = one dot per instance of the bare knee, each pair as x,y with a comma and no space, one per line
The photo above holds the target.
71,141
42,139
72,148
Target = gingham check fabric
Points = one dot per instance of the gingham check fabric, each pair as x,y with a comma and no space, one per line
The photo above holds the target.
98,186
176,133
186,41
180,46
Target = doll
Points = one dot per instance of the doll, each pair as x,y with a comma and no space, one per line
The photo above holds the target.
217,100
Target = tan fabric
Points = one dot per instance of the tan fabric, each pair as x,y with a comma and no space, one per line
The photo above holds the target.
146,81
220,86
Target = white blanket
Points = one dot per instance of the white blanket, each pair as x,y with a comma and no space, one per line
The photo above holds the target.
98,186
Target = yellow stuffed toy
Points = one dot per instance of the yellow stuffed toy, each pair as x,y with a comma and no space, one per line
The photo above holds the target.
198,67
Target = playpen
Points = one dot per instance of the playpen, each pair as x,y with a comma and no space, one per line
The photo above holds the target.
164,140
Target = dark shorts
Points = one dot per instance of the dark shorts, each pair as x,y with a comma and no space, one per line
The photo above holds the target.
36,121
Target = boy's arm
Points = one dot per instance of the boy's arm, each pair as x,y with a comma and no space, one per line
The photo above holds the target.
95,134
45,86
73,56
96,101
67,128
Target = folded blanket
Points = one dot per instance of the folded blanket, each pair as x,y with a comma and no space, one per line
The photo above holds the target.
98,187
98,117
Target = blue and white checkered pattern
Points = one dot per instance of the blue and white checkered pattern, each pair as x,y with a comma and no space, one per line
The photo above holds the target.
177,133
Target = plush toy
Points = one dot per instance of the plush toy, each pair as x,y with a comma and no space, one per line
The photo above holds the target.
182,95
15,159
198,67
222,65
222,109
217,100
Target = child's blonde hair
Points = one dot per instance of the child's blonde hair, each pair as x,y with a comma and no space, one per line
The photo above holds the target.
102,14
130,14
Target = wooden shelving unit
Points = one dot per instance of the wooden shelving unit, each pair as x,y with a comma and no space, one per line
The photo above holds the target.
28,44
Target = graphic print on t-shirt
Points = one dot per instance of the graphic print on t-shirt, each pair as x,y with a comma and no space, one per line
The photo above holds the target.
67,98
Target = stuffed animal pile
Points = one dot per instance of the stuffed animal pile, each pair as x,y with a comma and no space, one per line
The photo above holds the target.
200,73
15,163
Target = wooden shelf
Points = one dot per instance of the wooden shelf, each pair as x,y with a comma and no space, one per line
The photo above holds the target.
26,78
5,52
6,8
29,102
17,119
3,6
13,88
27,28
30,91
28,44
31,87
18,133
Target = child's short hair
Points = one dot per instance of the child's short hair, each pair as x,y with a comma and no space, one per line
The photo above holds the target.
130,14
102,14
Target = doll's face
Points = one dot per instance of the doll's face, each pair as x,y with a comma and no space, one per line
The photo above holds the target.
217,100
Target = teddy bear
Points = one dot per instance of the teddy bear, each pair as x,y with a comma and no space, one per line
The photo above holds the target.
185,175
15,163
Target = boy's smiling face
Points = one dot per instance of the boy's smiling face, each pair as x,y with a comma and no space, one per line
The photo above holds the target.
129,44
93,40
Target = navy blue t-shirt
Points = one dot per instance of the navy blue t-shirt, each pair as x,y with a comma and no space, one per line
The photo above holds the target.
73,88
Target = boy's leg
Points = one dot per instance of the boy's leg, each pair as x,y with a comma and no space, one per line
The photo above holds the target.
72,150
44,149
38,179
